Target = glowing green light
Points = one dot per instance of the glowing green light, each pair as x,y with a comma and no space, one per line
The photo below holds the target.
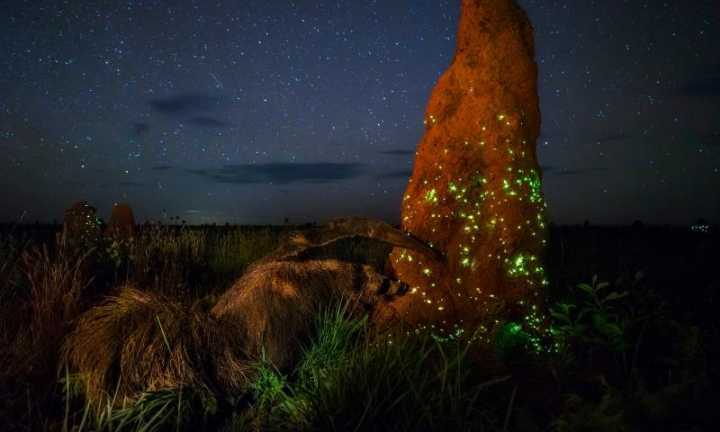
431,196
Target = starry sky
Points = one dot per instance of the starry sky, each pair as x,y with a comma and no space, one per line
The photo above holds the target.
255,111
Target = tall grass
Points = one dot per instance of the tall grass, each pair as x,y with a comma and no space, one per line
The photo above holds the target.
167,409
352,379
47,298
185,261
234,249
348,379
56,286
46,283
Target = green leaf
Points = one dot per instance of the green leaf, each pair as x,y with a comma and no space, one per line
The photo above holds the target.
579,329
585,287
560,316
611,330
615,296
584,311
599,320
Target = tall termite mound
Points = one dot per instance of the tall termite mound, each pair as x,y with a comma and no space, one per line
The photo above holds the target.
122,222
81,226
475,191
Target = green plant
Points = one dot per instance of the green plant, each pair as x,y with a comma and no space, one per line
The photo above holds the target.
119,251
352,379
166,409
512,343
594,321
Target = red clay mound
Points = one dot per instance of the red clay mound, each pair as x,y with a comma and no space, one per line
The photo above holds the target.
475,192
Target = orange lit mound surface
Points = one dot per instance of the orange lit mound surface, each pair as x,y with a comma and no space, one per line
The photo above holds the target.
122,221
475,191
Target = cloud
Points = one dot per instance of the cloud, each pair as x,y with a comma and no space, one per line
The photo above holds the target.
139,129
401,174
282,173
185,103
162,167
208,122
398,152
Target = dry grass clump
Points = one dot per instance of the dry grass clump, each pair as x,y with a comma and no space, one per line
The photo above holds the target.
42,293
56,286
138,342
51,288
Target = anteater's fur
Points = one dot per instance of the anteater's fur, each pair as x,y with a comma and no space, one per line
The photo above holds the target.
139,341
277,302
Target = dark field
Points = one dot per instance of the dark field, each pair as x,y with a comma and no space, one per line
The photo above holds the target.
640,353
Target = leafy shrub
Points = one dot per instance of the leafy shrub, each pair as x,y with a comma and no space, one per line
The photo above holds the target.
594,321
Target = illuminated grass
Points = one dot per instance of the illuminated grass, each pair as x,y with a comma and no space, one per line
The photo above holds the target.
350,380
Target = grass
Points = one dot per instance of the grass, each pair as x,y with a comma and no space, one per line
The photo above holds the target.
185,261
42,300
635,355
350,379
347,379
45,284
420,383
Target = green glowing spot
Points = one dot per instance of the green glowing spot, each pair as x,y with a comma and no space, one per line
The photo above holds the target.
427,271
512,340
431,196
518,265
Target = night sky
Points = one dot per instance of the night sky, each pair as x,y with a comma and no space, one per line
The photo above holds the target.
254,111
